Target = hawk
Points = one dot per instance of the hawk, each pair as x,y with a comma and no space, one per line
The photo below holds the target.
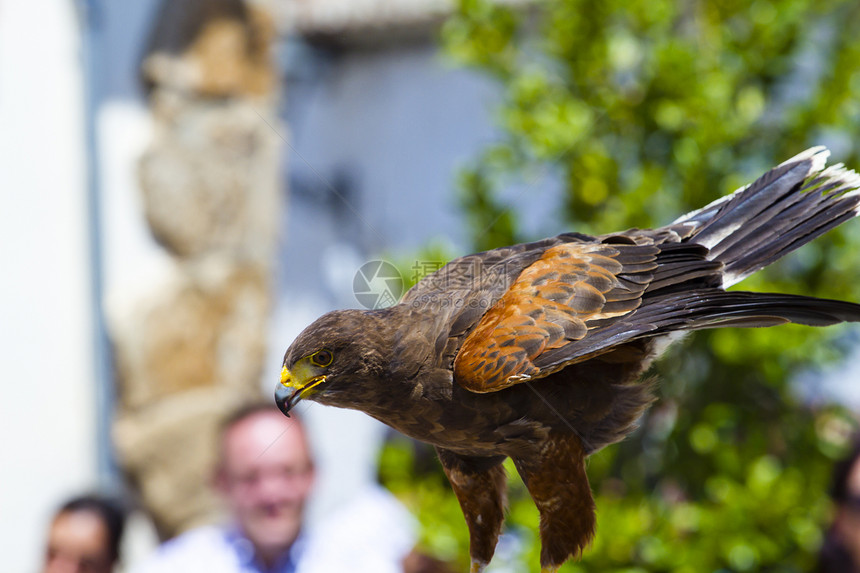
536,351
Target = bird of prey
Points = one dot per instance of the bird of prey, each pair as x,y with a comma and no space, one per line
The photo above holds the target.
536,351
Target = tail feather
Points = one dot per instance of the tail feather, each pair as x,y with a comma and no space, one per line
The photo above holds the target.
715,308
704,309
783,210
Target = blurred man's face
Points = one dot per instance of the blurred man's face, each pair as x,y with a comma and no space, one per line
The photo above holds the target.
266,475
77,543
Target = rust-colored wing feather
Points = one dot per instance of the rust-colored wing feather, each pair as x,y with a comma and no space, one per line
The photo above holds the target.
572,288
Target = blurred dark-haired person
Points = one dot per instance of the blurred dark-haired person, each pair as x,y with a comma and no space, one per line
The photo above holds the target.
840,552
265,476
84,536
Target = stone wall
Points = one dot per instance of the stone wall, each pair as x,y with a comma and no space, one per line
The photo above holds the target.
190,349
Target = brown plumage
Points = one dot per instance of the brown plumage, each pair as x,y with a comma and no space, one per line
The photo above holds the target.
535,351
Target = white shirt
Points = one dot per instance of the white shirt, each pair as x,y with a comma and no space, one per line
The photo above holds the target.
373,533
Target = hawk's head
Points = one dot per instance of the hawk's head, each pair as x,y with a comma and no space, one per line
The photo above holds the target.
331,358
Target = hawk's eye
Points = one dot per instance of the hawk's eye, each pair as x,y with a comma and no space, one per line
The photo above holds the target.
322,357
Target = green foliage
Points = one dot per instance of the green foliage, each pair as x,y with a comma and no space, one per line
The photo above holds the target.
410,470
653,107
648,109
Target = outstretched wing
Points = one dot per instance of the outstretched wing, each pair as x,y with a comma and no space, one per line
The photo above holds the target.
481,278
571,290
581,300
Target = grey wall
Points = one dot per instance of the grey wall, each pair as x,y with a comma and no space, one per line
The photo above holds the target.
377,136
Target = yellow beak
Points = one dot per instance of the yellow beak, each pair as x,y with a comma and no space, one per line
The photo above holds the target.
286,377
294,388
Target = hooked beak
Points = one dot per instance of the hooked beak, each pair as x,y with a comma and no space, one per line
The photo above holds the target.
284,399
291,390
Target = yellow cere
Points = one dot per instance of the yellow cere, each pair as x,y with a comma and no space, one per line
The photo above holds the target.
285,377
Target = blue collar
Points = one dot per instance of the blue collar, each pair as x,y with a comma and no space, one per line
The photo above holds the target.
247,557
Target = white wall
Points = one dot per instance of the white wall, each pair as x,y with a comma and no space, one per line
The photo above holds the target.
47,410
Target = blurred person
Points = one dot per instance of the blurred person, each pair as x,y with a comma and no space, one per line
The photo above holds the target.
265,475
840,552
84,536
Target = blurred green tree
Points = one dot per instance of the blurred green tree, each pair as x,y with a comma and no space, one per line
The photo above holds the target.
647,109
